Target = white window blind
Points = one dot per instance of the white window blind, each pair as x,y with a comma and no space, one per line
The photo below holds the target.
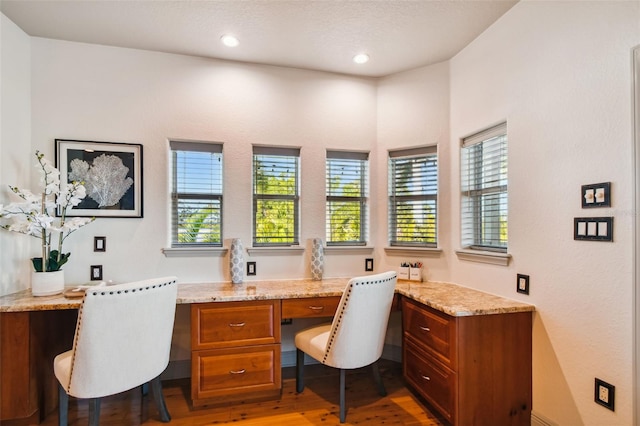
413,196
276,195
196,196
484,189
347,189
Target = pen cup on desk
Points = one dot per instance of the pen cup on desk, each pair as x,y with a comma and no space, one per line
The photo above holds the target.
403,273
415,273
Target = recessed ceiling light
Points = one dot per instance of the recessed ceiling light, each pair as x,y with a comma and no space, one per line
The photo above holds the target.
361,58
229,40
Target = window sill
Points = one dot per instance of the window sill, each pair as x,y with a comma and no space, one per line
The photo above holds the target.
195,251
480,256
414,251
275,251
348,249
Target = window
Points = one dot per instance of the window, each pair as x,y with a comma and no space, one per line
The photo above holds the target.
413,196
196,196
347,187
275,196
484,190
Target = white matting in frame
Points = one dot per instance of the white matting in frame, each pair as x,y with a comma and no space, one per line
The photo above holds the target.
112,176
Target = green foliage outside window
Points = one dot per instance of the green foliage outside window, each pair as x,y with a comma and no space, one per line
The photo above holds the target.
275,200
346,201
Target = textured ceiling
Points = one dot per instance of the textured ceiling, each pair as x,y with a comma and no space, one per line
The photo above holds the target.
320,35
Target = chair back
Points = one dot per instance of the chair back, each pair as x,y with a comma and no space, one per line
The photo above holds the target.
359,326
123,337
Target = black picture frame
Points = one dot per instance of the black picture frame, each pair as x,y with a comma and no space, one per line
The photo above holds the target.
87,160
596,195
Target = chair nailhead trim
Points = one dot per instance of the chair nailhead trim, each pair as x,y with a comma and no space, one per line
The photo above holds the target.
133,290
344,307
96,293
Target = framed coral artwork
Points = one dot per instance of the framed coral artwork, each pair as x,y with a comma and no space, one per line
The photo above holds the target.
111,173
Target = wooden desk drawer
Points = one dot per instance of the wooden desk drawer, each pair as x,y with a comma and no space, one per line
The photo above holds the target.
431,329
230,324
435,382
223,373
310,307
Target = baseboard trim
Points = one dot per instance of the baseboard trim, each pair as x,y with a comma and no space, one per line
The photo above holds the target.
538,419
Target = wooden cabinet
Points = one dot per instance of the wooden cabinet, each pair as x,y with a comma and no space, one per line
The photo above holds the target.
471,369
29,341
310,307
235,351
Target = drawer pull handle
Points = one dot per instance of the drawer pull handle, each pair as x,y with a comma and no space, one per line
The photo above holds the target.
427,378
425,328
237,371
236,324
316,308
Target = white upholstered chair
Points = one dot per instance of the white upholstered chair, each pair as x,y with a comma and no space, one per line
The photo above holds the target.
122,341
355,338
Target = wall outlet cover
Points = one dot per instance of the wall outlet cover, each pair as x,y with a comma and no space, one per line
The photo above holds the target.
522,284
368,265
605,394
251,268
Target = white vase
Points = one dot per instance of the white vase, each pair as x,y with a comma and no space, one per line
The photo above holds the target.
47,283
317,259
236,261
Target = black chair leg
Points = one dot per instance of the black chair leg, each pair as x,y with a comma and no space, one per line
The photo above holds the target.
158,397
378,379
63,406
299,370
94,411
343,411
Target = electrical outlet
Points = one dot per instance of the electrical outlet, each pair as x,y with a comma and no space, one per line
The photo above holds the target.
96,272
368,265
251,268
605,394
522,284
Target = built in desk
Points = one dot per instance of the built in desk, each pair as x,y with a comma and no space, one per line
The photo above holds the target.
465,352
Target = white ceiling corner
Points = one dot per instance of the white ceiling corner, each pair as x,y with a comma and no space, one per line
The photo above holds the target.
311,34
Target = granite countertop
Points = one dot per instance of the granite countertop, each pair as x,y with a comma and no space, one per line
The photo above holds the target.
449,298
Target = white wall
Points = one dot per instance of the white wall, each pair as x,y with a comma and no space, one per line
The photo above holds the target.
413,110
559,73
90,92
16,159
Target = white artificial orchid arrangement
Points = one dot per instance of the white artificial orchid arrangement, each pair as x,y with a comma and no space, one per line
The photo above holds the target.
36,214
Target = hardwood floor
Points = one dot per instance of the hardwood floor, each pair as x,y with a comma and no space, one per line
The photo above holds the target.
317,405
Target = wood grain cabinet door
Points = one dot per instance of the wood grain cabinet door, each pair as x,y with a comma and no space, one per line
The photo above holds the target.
225,373
230,324
312,307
